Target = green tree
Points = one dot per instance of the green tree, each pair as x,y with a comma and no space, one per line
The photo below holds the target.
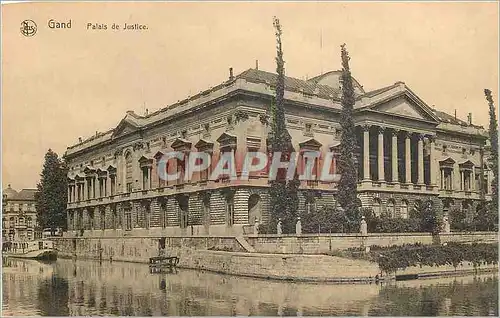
51,197
324,220
493,159
283,194
427,213
347,190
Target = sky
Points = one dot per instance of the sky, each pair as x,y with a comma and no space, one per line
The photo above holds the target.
62,84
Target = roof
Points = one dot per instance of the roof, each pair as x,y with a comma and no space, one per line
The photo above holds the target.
291,84
315,86
9,192
444,117
23,195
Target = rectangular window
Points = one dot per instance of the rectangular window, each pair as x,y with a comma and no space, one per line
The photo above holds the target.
447,179
230,212
145,178
113,185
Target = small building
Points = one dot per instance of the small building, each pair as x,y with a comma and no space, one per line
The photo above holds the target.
19,217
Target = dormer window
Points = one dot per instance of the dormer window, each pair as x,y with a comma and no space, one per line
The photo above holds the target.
308,128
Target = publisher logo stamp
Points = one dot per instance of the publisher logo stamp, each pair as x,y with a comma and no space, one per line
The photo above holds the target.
28,28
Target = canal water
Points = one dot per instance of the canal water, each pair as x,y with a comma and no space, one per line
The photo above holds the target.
82,288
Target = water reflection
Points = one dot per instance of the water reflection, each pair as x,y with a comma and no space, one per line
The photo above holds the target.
88,288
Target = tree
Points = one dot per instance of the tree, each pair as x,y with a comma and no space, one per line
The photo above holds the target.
493,159
283,194
324,220
51,197
427,213
347,189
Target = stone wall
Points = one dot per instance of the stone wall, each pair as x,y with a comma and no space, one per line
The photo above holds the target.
320,244
198,253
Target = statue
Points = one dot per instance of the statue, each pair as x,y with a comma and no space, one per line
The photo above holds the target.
363,227
256,226
279,230
446,225
298,226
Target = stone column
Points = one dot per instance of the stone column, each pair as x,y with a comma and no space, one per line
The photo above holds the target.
433,171
462,185
407,158
380,155
69,193
394,156
150,179
473,179
420,145
366,153
85,191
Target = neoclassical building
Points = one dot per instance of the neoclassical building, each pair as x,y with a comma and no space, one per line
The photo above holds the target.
407,151
19,216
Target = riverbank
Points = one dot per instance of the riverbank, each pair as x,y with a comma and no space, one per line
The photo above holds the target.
227,255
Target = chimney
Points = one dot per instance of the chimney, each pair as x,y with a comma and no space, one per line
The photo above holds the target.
455,114
469,117
257,65
147,111
96,133
80,139
231,77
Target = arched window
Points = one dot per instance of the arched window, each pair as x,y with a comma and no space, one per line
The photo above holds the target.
253,208
404,209
29,221
416,208
466,210
376,207
129,179
230,210
391,208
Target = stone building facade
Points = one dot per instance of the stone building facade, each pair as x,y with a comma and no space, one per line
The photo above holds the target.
407,151
19,217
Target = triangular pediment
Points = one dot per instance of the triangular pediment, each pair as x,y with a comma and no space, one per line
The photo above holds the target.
467,164
203,144
310,143
400,101
89,169
447,161
181,143
126,126
158,155
101,171
226,137
111,168
405,107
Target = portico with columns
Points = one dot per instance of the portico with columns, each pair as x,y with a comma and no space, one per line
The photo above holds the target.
397,157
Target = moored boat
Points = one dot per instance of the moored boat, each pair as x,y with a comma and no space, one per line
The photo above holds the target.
39,250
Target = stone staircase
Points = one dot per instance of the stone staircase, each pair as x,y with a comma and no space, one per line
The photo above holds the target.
244,243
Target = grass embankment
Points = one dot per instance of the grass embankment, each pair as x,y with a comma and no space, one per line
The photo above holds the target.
394,258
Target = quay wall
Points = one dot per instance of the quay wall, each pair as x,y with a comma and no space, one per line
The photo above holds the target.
325,243
198,253
277,257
